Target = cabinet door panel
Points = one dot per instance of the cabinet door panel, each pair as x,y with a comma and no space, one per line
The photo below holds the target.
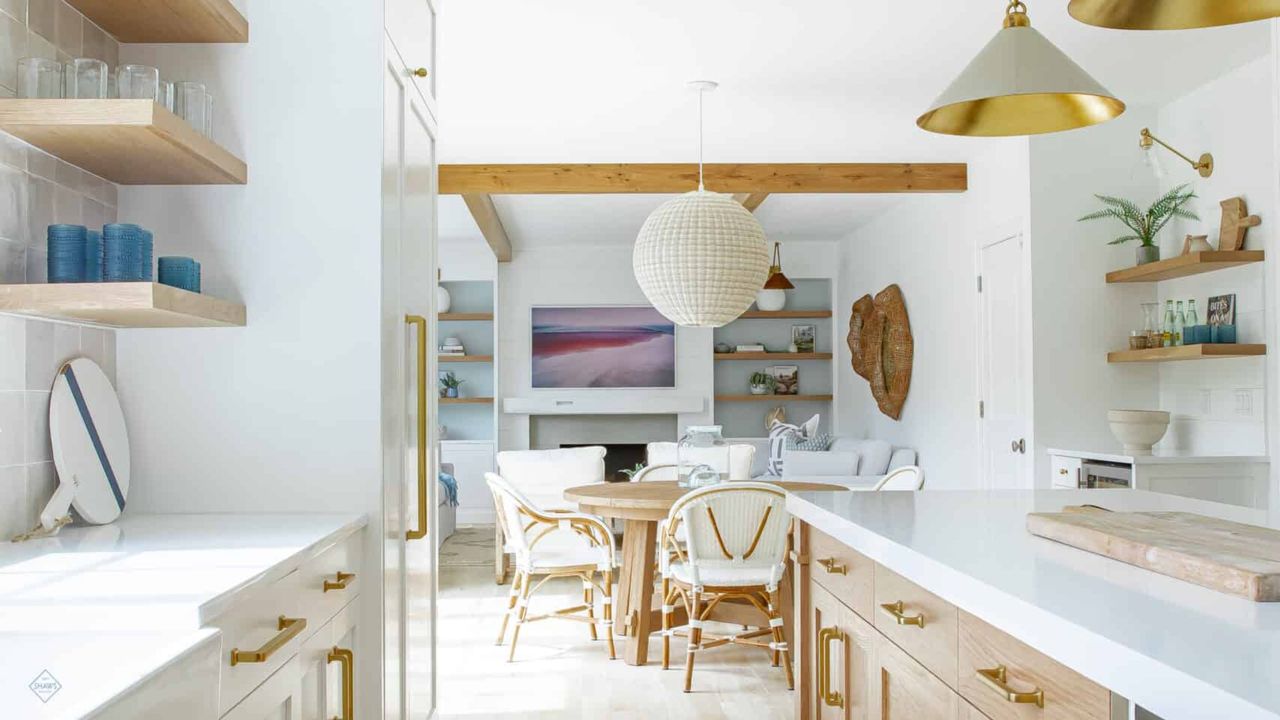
412,27
847,648
279,697
910,692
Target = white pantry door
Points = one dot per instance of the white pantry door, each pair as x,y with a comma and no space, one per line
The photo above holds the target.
1004,377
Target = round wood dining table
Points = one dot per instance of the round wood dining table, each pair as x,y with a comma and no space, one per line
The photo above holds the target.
641,506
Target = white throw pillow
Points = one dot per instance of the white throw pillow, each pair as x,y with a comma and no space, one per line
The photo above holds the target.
875,456
810,427
807,463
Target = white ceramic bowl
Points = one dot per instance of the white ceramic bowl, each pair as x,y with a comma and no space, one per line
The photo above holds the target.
1138,430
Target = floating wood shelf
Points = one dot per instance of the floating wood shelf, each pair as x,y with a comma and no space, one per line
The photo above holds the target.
774,398
121,305
466,401
129,142
167,21
1184,265
772,356
784,314
466,358
1187,352
462,317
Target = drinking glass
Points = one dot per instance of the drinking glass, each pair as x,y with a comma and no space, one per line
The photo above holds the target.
39,78
189,103
138,82
85,78
166,94
208,115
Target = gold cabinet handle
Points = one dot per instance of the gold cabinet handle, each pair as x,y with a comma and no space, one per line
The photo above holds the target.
895,611
340,583
997,679
829,697
1062,471
348,660
289,628
420,72
832,567
421,324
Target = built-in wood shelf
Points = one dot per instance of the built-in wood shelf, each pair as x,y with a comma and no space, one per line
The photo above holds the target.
774,398
466,401
167,21
784,314
129,142
1187,352
772,356
1184,265
121,305
466,358
465,317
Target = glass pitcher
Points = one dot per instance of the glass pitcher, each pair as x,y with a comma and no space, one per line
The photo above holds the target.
1151,324
702,457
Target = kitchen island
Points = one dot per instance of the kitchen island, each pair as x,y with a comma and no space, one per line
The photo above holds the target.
1093,624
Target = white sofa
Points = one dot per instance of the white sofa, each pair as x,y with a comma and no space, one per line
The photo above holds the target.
857,461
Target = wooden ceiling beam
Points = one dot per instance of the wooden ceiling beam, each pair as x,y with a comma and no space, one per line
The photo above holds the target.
486,217
664,178
750,201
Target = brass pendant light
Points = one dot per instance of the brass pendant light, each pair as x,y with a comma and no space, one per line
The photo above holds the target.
1020,84
1171,14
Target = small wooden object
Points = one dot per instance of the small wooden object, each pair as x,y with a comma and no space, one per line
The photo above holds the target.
1229,557
1236,222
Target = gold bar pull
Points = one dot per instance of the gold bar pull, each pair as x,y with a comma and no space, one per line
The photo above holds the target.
340,583
997,679
421,323
289,628
348,660
829,697
895,611
832,567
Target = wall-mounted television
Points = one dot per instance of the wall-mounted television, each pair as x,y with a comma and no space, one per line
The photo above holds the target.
602,347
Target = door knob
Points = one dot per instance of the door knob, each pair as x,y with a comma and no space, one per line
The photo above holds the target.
420,72
1019,446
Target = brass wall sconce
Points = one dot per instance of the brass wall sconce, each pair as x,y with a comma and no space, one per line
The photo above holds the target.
1204,165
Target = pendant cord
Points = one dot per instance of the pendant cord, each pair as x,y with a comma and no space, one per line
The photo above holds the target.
701,93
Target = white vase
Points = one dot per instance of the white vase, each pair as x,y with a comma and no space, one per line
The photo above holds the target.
443,301
771,300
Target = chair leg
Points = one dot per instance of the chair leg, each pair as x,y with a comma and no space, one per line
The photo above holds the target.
525,586
608,612
588,599
499,556
775,623
695,637
666,623
511,604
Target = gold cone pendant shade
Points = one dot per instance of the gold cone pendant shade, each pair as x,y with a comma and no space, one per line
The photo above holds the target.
1171,14
1020,84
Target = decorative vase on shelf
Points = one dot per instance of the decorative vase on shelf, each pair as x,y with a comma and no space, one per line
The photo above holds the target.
771,300
443,299
1148,254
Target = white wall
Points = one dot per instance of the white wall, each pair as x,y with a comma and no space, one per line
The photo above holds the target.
928,245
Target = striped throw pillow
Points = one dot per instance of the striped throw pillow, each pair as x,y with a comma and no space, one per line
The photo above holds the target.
778,437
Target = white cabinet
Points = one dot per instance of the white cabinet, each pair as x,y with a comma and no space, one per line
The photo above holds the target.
1064,472
411,24
471,460
277,698
328,667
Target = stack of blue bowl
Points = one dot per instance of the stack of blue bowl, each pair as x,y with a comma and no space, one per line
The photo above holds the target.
67,253
126,253
180,272
93,256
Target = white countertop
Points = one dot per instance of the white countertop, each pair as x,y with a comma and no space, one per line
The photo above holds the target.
1160,458
1180,650
103,608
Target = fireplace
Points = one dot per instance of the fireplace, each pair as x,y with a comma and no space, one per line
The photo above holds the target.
618,457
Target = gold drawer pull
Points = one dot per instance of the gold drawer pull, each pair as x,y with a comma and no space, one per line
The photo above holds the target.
895,611
348,660
832,567
997,679
341,583
830,697
289,628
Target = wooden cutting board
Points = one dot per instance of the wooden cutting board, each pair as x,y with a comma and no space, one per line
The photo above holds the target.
1225,556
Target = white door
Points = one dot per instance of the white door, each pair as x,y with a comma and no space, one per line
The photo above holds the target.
1004,355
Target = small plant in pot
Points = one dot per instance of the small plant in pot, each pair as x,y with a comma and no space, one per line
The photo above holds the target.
449,384
1145,225
762,383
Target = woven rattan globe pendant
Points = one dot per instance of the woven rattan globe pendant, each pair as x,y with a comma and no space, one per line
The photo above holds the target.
701,258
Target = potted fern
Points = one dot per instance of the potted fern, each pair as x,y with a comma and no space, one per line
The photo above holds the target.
1144,226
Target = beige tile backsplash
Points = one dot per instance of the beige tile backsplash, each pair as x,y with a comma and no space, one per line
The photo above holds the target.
37,190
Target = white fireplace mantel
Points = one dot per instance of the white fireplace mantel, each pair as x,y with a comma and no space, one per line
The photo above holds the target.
605,404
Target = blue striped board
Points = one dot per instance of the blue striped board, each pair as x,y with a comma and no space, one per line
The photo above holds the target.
90,443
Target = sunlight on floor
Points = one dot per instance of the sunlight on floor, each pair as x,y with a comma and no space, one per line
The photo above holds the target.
560,673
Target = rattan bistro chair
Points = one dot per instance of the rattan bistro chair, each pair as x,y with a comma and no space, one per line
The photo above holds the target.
550,544
735,548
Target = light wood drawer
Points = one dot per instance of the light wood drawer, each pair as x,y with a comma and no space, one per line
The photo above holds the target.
846,573
907,691
248,626
1067,694
923,624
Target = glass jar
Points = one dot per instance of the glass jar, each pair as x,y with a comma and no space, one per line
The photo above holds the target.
702,457
1151,324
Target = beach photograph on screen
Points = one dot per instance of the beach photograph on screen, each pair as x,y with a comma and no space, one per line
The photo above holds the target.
603,347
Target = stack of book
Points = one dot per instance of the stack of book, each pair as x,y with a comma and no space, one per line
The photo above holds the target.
452,348
755,348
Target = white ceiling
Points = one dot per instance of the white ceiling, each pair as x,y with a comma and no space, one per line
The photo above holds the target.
803,81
